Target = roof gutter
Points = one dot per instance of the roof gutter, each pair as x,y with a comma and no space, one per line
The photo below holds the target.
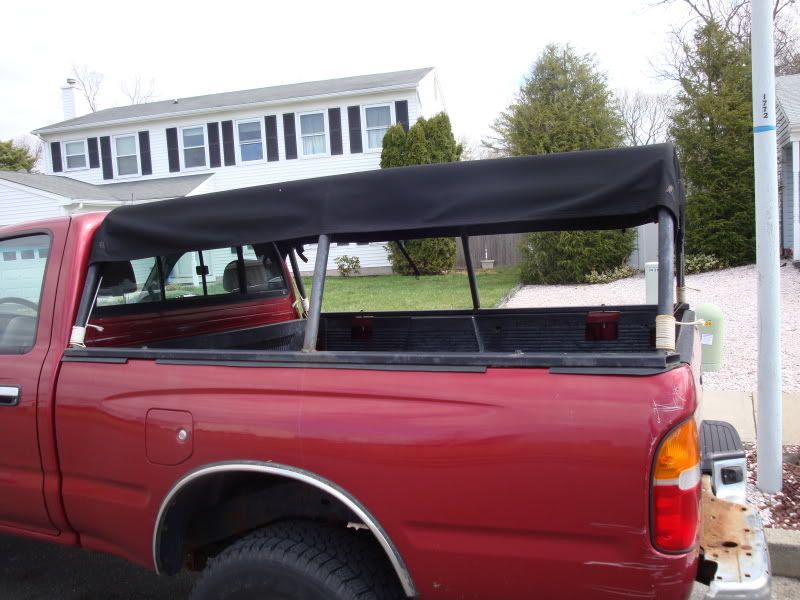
230,107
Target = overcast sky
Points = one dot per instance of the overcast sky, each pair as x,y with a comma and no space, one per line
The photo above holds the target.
481,49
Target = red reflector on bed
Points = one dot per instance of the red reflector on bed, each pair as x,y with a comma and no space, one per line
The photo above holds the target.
602,326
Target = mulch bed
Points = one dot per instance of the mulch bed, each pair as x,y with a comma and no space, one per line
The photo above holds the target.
781,510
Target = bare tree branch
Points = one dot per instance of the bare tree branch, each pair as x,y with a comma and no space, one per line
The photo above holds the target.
734,16
645,117
88,83
33,146
138,92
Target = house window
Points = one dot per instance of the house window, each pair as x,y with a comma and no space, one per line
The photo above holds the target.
378,120
312,133
125,152
251,146
194,147
75,153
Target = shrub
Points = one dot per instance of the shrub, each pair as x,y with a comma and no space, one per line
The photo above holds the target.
433,256
569,256
699,263
614,274
348,265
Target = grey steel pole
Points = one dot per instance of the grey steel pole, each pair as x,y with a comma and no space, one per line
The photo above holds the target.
666,258
317,287
770,411
680,260
473,282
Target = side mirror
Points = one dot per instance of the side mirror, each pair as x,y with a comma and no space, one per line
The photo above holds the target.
712,336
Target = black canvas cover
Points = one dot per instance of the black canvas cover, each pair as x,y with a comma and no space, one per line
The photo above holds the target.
597,189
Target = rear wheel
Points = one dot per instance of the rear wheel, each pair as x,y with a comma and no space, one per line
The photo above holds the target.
300,560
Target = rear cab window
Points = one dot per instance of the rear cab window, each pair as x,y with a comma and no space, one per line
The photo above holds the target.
23,262
207,277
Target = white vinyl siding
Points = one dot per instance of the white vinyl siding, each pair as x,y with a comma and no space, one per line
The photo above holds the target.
256,172
377,119
193,144
371,256
313,133
75,155
20,203
126,161
250,141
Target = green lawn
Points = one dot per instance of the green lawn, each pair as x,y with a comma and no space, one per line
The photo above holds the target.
430,292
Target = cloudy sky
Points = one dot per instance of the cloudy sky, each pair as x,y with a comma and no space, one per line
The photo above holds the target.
481,49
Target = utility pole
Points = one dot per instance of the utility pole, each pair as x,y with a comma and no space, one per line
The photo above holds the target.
770,418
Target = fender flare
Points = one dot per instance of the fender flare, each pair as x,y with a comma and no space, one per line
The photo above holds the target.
303,476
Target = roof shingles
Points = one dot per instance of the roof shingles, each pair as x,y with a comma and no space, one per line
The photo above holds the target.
164,108
787,90
149,189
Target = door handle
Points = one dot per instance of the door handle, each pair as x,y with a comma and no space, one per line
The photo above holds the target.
9,395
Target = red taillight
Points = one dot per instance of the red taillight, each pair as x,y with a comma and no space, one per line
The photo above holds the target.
676,490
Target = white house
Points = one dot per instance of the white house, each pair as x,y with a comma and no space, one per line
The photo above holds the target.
232,139
787,92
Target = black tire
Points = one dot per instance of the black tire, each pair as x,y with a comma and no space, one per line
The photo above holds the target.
300,560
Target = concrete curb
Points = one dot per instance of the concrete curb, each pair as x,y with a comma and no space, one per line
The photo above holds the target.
784,552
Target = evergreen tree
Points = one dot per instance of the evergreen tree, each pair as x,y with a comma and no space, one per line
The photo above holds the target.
418,152
427,141
14,157
394,147
563,105
442,143
712,128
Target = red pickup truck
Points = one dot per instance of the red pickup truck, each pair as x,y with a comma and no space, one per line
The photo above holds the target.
168,394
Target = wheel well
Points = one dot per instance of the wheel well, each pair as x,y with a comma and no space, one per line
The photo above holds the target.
204,514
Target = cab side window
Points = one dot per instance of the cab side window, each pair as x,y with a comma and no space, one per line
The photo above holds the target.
23,261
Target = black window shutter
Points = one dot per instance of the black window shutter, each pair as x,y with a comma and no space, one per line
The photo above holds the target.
401,113
214,159
94,153
335,123
271,128
105,154
144,153
354,123
289,136
55,154
227,143
172,150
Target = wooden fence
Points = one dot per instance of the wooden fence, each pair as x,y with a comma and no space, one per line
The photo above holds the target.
504,249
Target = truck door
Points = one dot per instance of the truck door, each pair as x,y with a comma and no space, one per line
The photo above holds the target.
27,290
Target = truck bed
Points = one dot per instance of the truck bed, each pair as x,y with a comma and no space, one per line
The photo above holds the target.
540,337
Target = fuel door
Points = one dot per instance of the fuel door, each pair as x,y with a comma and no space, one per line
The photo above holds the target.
169,436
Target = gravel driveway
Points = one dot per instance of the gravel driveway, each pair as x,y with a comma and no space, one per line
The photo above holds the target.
734,290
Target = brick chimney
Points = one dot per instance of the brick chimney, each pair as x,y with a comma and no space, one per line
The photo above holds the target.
68,99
